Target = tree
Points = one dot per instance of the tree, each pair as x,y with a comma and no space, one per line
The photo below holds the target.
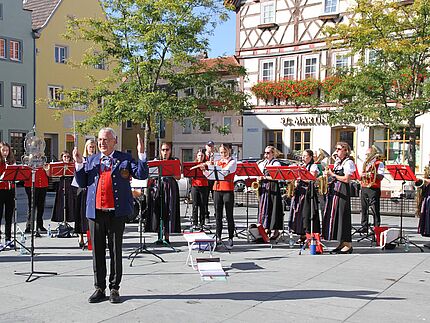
391,88
152,49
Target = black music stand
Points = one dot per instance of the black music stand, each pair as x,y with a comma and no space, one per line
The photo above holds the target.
12,174
402,173
33,220
63,170
142,244
160,169
249,170
190,170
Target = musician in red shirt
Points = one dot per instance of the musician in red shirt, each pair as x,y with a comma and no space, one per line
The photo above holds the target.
7,192
199,195
224,194
40,189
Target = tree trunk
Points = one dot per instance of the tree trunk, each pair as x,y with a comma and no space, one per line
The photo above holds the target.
412,144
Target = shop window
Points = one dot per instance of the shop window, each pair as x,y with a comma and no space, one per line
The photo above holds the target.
395,144
274,138
301,140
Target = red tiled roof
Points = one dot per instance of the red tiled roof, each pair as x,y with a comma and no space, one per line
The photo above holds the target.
224,61
41,11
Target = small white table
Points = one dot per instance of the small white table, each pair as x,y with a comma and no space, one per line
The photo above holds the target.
199,241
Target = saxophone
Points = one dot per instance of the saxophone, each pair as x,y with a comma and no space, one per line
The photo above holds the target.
322,181
368,175
419,186
255,185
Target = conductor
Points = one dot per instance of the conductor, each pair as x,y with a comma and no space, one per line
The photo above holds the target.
106,175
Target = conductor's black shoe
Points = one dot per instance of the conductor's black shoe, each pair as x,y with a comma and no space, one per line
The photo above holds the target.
114,296
43,229
98,296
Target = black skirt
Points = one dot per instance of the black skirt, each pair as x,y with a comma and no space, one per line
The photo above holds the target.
69,196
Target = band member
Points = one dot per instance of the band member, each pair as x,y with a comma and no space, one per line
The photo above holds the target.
424,200
270,208
224,194
65,194
7,192
109,201
210,156
166,201
81,222
305,196
337,213
199,195
373,174
40,189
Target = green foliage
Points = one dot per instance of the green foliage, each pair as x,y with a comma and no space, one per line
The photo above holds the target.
392,89
151,50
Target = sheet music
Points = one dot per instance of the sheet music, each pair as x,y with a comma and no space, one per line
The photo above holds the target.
138,183
215,172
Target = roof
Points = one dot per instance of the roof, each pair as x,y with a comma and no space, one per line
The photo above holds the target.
42,10
226,61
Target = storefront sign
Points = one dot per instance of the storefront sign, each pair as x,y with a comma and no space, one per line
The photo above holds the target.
251,129
304,121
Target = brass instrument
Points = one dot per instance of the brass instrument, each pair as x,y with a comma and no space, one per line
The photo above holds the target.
368,175
322,181
419,186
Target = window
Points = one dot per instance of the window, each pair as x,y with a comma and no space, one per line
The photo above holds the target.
60,54
54,93
70,142
1,11
17,143
101,65
2,48
267,70
1,93
340,60
18,95
189,91
310,67
371,56
267,12
15,50
289,69
301,140
227,123
330,6
206,127
187,155
188,126
100,102
395,145
128,124
274,138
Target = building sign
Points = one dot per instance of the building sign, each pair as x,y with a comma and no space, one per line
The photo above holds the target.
251,129
316,120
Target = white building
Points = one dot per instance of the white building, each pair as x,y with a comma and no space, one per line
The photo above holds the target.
283,39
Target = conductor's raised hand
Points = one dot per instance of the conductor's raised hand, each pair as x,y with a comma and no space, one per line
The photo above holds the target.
77,156
140,144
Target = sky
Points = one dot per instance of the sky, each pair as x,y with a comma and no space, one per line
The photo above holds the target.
223,41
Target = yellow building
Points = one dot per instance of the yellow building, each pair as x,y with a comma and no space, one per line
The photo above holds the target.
53,73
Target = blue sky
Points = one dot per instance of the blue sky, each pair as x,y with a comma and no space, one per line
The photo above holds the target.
223,41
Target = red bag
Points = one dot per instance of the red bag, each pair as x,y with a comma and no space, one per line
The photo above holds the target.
90,246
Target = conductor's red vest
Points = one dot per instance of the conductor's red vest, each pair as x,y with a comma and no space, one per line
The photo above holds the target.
104,195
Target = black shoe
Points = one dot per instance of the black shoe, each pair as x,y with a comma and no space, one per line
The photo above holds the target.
42,229
348,251
114,296
98,296
335,250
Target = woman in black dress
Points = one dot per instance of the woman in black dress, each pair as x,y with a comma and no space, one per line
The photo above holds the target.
166,203
65,194
337,213
81,222
270,209
301,205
